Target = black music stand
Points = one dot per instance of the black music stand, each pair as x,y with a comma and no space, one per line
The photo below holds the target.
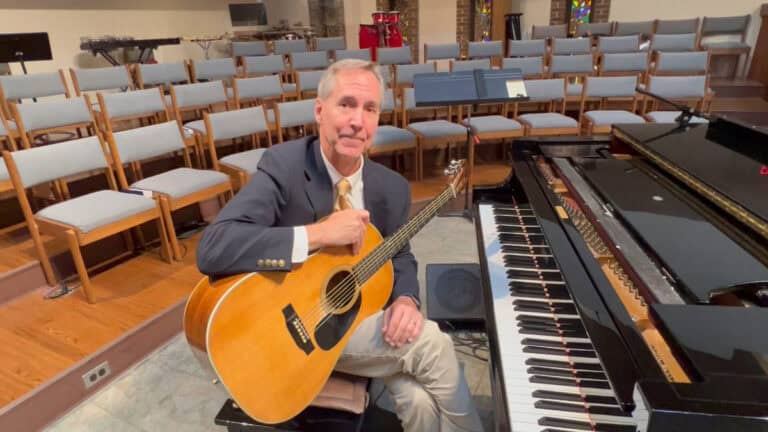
469,88
21,47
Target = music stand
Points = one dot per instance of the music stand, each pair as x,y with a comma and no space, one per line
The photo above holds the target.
21,47
469,87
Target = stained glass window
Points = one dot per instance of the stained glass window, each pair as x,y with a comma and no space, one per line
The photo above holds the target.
580,12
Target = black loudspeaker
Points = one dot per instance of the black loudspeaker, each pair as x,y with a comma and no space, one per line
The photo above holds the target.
454,295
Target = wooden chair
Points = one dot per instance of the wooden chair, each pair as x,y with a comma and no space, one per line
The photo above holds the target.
142,106
604,91
175,189
17,88
197,98
551,92
531,67
271,65
732,26
100,79
162,75
689,90
361,54
527,48
85,219
37,119
433,52
295,114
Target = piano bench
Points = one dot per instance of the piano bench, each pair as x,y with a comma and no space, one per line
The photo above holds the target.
340,406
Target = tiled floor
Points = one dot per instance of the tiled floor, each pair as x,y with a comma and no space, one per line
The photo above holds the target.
169,391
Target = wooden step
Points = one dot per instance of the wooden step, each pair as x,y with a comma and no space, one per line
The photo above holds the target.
737,88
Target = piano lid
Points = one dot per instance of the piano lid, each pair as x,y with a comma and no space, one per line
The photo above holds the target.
728,170
703,260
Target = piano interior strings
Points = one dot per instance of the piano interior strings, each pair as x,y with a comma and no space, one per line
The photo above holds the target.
625,281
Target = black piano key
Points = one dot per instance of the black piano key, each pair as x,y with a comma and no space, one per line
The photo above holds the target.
517,220
591,399
558,307
528,293
516,228
598,384
525,250
566,373
575,322
558,292
558,344
515,258
564,333
562,364
533,239
533,274
554,430
559,351
535,325
564,382
560,406
516,291
582,425
544,308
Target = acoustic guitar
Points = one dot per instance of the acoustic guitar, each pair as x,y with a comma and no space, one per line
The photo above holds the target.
273,338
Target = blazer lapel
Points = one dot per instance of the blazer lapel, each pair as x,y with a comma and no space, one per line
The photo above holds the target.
318,183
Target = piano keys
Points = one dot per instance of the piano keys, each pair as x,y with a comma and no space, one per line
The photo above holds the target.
607,266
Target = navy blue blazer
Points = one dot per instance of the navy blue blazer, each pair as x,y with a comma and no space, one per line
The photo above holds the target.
254,231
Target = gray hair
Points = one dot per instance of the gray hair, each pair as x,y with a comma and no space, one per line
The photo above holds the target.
328,80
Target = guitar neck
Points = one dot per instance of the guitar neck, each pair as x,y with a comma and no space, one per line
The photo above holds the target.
369,265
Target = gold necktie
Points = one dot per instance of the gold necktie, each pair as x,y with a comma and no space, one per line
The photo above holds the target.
342,195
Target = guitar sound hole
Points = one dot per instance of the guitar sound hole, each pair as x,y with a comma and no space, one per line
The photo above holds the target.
340,294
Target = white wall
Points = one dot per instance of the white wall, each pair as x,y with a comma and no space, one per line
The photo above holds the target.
534,12
357,12
437,24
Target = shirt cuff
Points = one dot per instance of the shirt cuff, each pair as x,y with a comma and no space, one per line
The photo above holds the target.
300,245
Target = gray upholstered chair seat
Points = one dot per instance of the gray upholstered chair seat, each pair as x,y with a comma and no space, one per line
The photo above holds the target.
11,126
493,123
97,209
670,116
386,136
610,117
725,45
195,126
247,161
574,89
437,128
181,182
548,120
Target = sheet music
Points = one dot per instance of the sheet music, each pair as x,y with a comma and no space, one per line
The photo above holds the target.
516,88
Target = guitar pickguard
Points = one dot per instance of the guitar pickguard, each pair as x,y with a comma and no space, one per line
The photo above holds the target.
334,327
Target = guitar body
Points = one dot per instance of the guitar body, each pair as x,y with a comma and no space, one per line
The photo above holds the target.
273,338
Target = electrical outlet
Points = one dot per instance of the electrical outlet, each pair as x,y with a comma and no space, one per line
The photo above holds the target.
95,375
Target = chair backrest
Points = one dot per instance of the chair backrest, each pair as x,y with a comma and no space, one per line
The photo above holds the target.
61,160
610,87
286,46
618,44
17,87
569,46
360,54
725,25
441,51
463,65
388,56
409,99
309,60
234,124
682,26
388,102
622,63
691,63
137,103
530,66
549,31
572,64
266,87
674,42
330,43
107,78
308,80
189,96
404,73
485,49
678,87
545,89
162,74
527,48
594,29
147,142
386,74
264,65
295,113
52,114
642,28
249,48
213,69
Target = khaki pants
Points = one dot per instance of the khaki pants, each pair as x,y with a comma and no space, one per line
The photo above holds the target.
423,378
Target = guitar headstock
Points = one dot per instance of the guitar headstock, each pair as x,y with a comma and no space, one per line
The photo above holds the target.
457,174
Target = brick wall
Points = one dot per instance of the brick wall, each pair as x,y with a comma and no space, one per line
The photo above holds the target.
558,11
463,23
327,17
409,21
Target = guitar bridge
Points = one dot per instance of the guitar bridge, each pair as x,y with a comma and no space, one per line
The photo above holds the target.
297,330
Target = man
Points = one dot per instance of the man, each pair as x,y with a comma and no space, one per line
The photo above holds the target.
272,224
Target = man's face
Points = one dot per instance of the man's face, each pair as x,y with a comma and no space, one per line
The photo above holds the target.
348,118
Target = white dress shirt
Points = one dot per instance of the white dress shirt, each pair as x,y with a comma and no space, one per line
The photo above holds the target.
300,249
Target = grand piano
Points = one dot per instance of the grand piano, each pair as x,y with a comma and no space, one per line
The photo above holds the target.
625,281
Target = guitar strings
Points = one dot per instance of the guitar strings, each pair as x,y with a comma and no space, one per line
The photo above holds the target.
347,287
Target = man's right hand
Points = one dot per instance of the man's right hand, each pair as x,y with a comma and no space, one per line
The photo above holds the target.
345,227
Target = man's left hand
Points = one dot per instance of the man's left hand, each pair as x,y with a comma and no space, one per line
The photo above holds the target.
402,322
